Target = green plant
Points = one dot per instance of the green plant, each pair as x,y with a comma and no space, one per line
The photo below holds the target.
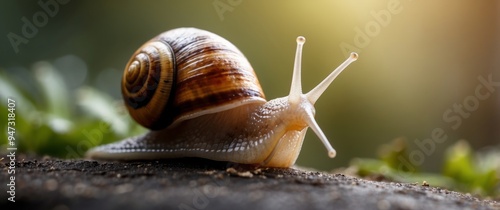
52,119
474,173
462,169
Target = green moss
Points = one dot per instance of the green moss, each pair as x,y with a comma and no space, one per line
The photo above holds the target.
462,170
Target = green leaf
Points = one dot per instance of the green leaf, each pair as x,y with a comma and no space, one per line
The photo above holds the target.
9,90
390,153
458,162
104,108
53,89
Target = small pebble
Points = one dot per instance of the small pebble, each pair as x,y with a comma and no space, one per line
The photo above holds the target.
241,174
425,184
245,174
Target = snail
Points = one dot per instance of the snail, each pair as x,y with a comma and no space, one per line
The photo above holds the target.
200,97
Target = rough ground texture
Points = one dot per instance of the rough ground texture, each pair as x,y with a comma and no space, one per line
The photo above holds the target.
48,183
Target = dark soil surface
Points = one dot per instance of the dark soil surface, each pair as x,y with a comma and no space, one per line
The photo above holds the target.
49,183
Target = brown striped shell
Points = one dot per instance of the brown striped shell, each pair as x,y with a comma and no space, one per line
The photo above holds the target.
184,73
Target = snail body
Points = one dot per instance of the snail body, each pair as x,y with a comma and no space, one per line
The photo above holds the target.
201,98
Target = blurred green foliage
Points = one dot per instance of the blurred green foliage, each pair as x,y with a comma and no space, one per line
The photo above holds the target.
51,120
462,170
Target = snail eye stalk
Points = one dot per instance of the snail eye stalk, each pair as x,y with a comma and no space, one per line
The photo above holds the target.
312,96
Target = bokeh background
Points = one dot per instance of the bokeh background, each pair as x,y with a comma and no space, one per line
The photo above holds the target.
414,64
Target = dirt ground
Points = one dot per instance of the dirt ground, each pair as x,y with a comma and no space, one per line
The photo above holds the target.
50,183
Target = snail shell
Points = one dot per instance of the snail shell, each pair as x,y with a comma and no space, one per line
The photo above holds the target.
201,98
185,73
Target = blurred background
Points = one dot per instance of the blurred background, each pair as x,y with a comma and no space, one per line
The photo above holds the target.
418,59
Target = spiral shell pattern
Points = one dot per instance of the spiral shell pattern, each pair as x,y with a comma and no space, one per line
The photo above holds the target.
147,83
